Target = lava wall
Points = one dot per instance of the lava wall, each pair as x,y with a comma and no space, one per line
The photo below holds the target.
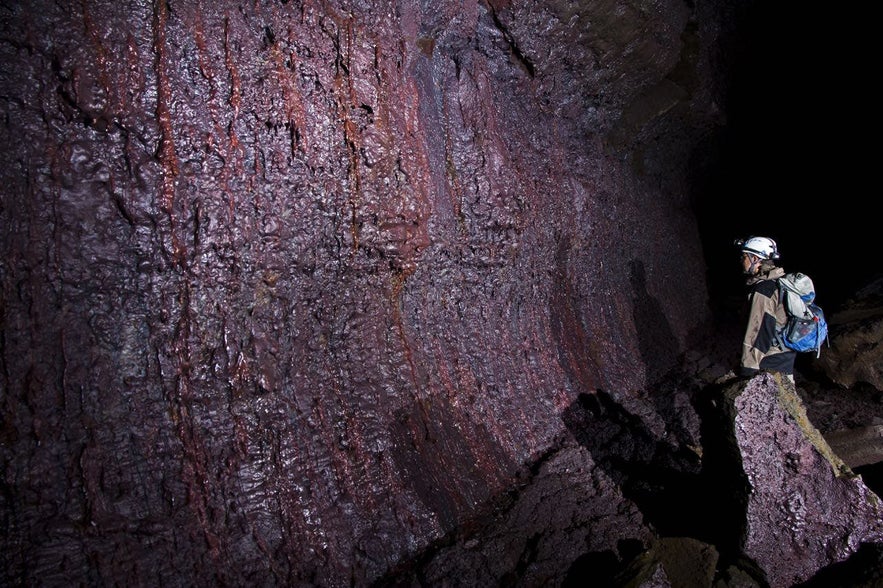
292,289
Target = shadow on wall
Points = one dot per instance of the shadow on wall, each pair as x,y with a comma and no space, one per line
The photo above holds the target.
659,348
656,340
679,493
661,479
575,346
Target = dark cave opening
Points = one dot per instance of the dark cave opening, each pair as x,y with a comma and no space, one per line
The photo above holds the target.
872,475
790,163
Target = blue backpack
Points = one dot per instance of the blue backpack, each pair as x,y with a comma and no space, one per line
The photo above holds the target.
806,328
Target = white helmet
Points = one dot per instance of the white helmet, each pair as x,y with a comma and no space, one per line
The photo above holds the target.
762,247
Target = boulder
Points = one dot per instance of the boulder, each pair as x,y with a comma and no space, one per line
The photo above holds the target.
855,354
858,447
804,509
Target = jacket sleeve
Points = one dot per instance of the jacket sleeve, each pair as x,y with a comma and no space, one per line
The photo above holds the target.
760,332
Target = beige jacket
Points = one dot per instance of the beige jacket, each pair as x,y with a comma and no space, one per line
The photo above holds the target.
761,349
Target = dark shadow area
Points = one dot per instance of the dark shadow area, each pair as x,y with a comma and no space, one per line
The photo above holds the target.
659,350
679,493
656,341
664,481
863,570
791,141
723,474
602,568
872,476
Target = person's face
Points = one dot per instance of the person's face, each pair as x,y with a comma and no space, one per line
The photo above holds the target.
749,264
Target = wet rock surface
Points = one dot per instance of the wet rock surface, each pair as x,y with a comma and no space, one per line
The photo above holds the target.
564,521
804,508
347,293
292,290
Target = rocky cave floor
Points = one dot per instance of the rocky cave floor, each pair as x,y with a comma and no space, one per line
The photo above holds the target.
831,408
834,408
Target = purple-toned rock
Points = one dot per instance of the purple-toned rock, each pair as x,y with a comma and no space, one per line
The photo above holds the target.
566,521
804,509
322,293
293,290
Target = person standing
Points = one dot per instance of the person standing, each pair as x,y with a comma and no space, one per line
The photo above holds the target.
761,348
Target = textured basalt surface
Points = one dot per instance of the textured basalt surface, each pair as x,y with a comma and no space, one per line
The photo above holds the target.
804,509
341,293
293,289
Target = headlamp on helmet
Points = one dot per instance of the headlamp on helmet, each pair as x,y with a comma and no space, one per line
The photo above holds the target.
762,247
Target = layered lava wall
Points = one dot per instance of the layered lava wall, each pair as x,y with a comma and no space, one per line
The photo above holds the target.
292,289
